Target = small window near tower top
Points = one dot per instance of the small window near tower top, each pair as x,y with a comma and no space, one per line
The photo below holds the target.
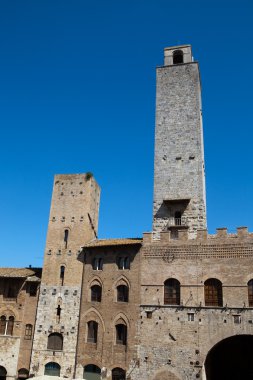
178,57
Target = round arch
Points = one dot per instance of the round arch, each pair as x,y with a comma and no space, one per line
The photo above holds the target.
230,359
3,373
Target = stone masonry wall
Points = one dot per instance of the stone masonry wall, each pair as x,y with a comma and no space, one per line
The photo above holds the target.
183,335
179,158
74,208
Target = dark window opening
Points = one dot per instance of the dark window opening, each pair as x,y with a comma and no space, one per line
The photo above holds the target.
52,369
33,290
123,263
55,342
66,237
96,293
3,323
92,332
28,332
213,292
62,273
97,264
250,293
178,57
122,293
172,292
58,313
178,220
121,334
118,374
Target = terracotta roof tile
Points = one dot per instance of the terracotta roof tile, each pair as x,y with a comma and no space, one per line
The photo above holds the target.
112,242
16,272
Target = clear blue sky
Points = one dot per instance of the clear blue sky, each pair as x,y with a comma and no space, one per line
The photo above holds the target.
77,93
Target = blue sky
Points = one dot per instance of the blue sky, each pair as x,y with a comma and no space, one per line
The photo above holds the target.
77,94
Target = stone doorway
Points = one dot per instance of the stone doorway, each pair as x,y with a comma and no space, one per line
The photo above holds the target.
230,359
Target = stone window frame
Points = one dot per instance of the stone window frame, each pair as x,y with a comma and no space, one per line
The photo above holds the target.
213,292
172,291
28,331
7,324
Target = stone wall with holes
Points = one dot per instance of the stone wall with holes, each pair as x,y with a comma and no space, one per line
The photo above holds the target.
74,208
182,335
179,158
68,298
106,353
15,349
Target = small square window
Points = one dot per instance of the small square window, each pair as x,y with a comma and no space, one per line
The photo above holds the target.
149,314
190,317
237,319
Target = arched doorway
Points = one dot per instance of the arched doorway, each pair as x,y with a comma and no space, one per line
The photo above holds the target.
230,359
3,373
52,369
118,374
91,372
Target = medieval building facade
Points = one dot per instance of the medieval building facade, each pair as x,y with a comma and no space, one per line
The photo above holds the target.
176,304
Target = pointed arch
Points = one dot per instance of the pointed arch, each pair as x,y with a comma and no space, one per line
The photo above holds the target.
121,280
96,316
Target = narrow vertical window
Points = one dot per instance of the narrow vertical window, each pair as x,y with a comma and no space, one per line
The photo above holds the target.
10,326
250,293
62,272
66,237
28,332
121,334
172,292
122,293
96,293
58,313
92,332
3,325
213,292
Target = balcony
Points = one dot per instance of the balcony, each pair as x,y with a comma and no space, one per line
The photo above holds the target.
177,222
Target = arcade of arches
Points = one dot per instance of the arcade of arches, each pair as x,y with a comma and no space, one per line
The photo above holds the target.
230,359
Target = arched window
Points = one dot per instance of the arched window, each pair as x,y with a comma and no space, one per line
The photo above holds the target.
91,372
213,292
3,373
92,332
10,326
28,331
23,373
178,216
6,325
3,324
250,293
97,264
52,369
121,334
66,237
172,292
55,342
96,293
178,57
122,293
118,374
123,263
62,273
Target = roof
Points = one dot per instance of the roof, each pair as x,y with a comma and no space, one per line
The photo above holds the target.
16,272
112,242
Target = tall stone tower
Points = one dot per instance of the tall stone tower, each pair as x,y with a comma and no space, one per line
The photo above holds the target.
73,222
179,183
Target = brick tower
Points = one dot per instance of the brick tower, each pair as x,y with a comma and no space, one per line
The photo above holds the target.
179,183
72,223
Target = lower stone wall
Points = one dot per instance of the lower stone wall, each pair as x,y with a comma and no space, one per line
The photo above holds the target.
9,352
